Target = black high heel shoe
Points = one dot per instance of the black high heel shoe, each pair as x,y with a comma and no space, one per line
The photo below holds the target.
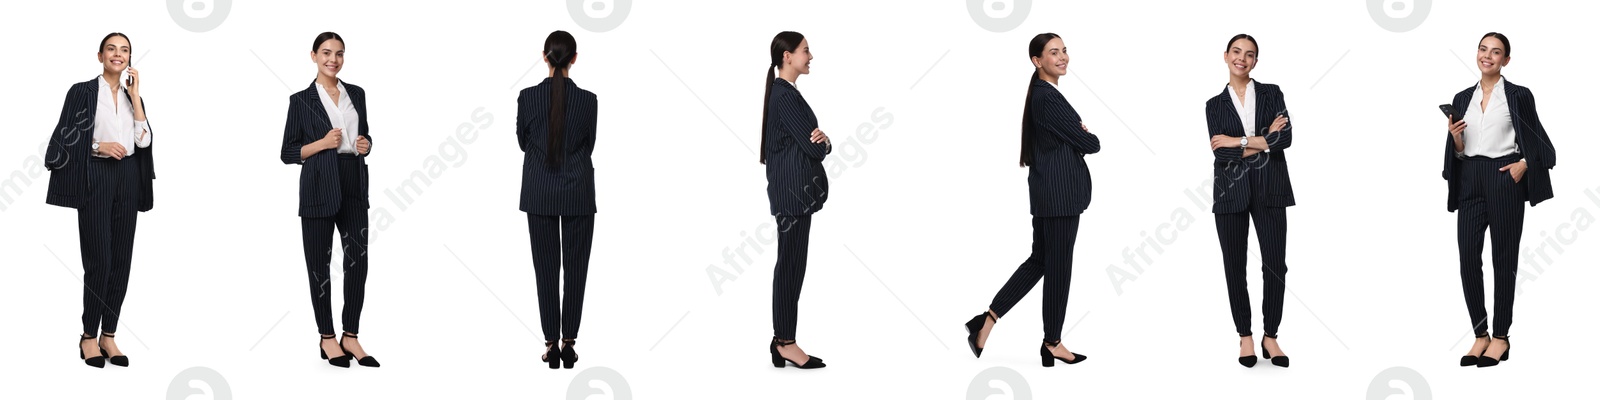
1281,361
367,361
342,361
778,361
96,361
1247,361
1486,361
552,354
1471,360
1049,359
973,327
568,356
117,360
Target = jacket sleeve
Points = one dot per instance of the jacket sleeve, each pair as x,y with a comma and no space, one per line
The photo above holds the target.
1281,139
1214,127
291,137
1539,138
788,109
1061,125
58,153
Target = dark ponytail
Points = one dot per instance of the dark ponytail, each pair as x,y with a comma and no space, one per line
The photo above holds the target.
559,49
1035,49
786,41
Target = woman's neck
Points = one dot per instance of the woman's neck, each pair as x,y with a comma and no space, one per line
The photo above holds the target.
1054,80
327,82
112,78
790,75
1488,81
1239,84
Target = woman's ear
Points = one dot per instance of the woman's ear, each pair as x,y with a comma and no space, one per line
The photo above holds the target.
1036,64
572,60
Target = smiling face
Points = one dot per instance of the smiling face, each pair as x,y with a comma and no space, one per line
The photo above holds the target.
1241,58
1053,59
115,55
800,58
1492,56
329,57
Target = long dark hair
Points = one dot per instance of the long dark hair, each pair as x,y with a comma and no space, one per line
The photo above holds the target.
786,41
323,37
130,42
1035,49
1496,35
559,49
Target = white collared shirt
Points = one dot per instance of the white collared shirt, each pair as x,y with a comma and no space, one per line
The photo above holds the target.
113,120
1247,108
1489,131
342,115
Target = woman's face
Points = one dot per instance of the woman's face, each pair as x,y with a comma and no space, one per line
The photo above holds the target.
115,55
1053,59
329,57
1241,58
800,58
1492,55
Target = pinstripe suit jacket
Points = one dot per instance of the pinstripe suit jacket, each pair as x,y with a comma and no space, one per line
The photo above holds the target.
797,184
1058,180
1230,191
68,154
320,195
567,189
1531,140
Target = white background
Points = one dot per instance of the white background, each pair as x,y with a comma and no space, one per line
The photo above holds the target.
927,218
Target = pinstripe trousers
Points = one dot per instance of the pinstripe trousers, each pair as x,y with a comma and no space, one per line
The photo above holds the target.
794,239
106,225
1489,199
317,235
1051,260
560,243
1233,234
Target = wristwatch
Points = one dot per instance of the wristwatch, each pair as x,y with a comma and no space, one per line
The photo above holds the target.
1244,142
94,147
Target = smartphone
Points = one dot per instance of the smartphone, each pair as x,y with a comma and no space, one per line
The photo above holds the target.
126,78
1450,111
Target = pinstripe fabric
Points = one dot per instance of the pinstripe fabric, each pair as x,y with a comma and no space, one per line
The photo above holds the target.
320,192
568,189
1058,181
1531,139
106,225
797,184
560,243
316,234
69,149
1051,260
1230,193
1254,188
794,237
1492,200
559,201
333,194
1485,198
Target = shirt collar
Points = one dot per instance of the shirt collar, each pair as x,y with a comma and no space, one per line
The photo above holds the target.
1499,85
322,91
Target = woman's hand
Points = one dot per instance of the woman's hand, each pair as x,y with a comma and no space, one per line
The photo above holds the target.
1221,141
363,146
133,89
818,137
1516,169
113,150
332,140
1278,124
1456,129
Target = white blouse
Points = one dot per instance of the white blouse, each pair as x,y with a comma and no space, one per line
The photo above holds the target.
113,120
342,115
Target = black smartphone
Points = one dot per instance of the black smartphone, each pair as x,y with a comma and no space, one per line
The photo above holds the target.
1450,111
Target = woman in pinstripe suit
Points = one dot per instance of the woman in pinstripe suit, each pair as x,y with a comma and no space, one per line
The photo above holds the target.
99,159
1497,161
792,147
556,123
1248,124
326,133
1054,141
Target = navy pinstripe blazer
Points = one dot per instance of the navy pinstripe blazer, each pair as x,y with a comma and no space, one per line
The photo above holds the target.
1058,181
797,184
1230,192
569,188
1531,140
308,122
68,154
